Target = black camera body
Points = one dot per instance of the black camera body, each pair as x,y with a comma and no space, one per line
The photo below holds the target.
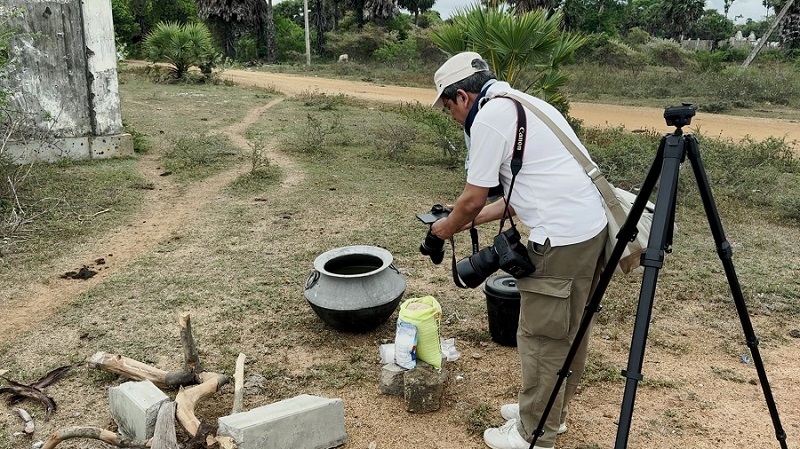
507,253
437,213
433,246
679,115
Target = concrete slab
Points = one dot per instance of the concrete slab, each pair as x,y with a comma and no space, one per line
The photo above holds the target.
301,422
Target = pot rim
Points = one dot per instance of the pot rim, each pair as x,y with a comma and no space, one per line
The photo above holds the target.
382,254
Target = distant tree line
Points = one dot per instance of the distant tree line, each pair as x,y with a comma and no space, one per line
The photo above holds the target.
258,31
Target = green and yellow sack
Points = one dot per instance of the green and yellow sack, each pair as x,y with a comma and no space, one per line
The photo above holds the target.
425,313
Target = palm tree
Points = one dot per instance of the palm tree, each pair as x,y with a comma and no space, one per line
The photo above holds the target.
231,19
520,48
790,27
522,6
678,15
181,46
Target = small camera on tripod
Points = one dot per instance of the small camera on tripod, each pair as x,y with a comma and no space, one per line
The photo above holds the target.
679,116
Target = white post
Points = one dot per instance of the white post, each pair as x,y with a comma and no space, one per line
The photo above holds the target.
308,38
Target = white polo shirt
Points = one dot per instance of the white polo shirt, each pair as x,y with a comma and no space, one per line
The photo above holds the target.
552,194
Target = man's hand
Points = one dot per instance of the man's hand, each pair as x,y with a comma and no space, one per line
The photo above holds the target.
467,207
441,229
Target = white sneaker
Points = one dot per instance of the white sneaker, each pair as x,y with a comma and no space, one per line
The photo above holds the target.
506,437
511,411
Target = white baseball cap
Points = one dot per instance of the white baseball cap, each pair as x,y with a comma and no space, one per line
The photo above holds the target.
452,71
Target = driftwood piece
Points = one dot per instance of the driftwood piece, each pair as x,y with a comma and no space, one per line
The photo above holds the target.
238,384
96,433
136,370
187,399
26,418
20,390
164,436
190,357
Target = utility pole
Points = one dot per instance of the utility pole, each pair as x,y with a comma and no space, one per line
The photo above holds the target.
308,37
763,39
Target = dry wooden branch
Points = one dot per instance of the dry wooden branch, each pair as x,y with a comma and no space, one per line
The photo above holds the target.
164,436
190,356
26,418
129,368
96,433
238,384
136,370
187,399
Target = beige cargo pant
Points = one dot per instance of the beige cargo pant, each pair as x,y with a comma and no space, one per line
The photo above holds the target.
552,302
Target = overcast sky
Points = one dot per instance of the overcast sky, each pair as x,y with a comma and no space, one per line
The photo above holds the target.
748,9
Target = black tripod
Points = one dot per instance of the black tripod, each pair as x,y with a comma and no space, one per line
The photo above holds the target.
671,153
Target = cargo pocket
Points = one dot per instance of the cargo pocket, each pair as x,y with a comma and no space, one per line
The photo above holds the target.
545,306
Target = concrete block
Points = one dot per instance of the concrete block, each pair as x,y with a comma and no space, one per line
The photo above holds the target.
134,407
392,379
118,145
301,422
423,388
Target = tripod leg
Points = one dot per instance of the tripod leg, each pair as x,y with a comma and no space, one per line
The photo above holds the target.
626,234
652,261
726,256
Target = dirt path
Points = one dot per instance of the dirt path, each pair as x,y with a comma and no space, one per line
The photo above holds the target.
165,210
631,117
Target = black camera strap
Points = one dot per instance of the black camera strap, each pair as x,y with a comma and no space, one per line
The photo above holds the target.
516,165
516,159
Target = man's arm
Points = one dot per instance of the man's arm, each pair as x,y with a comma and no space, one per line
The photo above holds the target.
492,212
469,205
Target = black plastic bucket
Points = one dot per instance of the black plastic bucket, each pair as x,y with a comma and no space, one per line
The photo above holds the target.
502,306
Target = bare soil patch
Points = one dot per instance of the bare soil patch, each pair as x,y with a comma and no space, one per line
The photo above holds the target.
593,114
699,393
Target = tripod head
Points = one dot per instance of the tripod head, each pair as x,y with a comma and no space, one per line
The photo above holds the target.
679,116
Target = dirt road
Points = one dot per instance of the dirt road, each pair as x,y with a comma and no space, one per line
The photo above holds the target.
593,114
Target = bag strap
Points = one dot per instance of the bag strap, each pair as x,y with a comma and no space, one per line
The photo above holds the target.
592,170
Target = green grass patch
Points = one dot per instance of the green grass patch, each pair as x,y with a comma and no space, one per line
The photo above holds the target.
67,201
193,158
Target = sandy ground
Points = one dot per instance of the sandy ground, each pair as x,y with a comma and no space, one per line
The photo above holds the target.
593,114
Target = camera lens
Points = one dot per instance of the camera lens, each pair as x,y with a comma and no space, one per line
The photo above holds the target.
433,247
475,269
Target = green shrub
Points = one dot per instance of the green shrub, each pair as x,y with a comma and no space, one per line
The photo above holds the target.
668,53
197,157
246,48
358,45
763,174
401,55
623,157
735,55
618,54
709,61
182,46
715,107
442,131
637,36
779,87
289,39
